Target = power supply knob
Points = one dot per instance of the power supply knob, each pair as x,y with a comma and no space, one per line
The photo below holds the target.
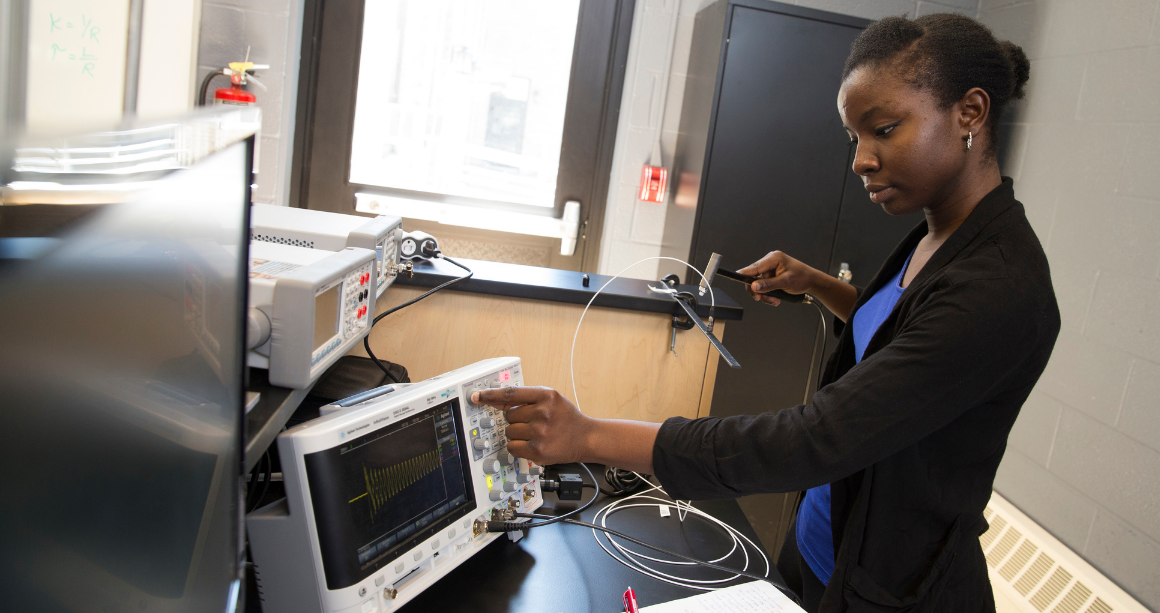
522,478
490,467
482,444
486,422
507,458
495,495
508,486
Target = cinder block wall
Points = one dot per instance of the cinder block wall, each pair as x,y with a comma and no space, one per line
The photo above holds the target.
272,29
1084,150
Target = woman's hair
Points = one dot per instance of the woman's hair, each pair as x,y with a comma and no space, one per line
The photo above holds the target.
945,54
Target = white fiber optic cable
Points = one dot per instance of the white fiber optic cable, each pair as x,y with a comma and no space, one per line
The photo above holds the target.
572,356
633,559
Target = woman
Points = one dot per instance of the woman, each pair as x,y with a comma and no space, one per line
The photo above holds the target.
899,448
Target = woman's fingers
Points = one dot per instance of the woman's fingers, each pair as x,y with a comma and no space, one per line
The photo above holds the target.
506,397
543,426
519,431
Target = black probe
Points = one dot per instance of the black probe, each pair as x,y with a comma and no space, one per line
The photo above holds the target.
776,293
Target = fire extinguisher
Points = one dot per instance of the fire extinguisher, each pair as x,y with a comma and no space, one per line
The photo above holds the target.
240,74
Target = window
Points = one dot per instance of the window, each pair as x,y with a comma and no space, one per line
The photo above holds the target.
464,97
465,114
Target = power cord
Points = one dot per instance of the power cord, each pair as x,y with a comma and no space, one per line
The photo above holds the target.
366,339
682,509
266,475
659,549
810,378
551,519
623,482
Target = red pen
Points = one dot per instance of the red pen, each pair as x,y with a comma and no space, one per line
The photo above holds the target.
630,601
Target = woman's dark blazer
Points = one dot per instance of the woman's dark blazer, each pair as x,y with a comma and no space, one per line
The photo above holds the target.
909,438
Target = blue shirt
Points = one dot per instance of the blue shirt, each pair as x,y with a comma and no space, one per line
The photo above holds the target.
815,536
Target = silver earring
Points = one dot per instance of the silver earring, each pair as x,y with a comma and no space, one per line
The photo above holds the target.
970,137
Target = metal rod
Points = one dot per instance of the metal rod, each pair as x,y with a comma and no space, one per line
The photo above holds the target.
733,363
133,55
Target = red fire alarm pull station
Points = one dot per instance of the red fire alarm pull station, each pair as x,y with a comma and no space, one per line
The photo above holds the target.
654,181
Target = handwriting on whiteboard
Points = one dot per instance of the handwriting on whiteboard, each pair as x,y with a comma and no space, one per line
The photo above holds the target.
75,39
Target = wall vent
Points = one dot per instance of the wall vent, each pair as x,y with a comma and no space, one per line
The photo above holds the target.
1032,572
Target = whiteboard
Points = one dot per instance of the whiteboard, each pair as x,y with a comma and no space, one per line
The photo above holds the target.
76,63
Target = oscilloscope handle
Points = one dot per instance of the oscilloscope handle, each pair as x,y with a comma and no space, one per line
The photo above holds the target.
361,397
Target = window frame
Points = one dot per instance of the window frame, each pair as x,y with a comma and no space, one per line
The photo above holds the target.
332,45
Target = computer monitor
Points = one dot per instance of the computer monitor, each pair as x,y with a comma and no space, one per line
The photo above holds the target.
386,494
122,297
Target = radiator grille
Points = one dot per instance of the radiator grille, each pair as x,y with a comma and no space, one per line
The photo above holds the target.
1034,572
1006,542
989,536
1019,560
1076,596
1099,606
1051,589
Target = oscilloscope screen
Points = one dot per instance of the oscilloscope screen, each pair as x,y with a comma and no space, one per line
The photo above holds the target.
375,496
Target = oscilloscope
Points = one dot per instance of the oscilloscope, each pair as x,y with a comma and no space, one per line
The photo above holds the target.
306,309
285,225
387,495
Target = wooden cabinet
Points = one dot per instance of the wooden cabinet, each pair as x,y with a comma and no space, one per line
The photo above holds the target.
624,366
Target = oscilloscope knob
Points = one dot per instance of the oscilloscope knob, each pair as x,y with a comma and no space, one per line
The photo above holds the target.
523,478
482,444
490,467
507,458
486,422
495,495
508,486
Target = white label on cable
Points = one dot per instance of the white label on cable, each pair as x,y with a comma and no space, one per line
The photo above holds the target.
664,510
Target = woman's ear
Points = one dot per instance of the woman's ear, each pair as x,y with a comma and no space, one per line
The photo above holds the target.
973,107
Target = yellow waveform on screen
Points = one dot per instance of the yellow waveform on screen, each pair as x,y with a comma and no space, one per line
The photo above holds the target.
384,483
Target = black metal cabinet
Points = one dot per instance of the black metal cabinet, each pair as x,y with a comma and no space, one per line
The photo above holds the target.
763,146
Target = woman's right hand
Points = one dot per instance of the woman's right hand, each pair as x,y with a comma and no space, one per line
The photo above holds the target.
779,271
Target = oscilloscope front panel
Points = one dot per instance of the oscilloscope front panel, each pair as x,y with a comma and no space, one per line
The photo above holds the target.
384,495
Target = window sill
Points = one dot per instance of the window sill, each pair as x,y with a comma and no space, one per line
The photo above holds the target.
565,229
